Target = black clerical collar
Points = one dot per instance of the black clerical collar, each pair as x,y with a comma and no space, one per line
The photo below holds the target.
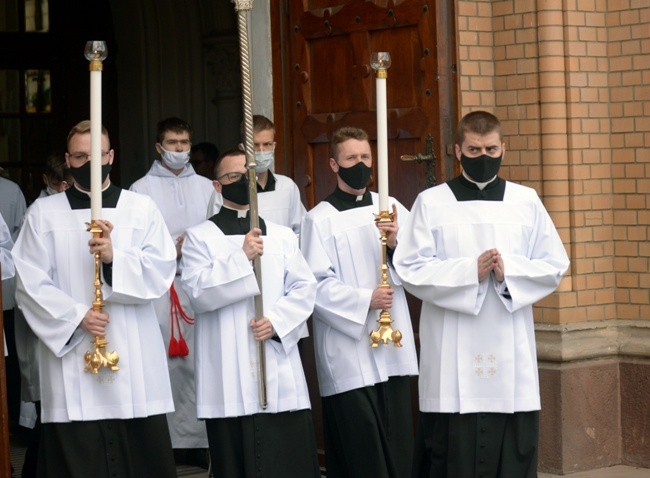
230,222
466,190
80,200
343,201
270,184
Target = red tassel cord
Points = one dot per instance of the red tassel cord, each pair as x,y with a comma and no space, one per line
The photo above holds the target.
177,347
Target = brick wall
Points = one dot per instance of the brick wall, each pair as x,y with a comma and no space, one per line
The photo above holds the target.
570,79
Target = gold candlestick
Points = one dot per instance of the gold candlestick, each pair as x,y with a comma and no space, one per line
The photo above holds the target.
385,332
99,358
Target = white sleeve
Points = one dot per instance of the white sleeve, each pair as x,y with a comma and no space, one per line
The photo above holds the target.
217,277
451,284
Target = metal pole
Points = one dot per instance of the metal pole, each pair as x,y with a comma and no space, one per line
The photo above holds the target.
243,7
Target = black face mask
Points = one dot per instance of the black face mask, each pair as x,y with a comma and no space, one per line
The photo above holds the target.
81,174
356,176
236,192
482,168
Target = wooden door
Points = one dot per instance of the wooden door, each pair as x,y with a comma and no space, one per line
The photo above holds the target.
323,81
327,82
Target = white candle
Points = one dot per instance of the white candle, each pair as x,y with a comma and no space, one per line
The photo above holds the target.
95,52
95,144
382,144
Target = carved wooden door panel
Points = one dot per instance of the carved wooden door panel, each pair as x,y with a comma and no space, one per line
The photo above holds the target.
331,84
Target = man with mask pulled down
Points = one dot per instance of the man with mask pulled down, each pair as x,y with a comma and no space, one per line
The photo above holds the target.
182,197
278,196
366,391
111,423
478,251
217,274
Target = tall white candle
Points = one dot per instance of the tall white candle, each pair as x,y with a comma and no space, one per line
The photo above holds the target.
95,53
382,145
96,144
380,61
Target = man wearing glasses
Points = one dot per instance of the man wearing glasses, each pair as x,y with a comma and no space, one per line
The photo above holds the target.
217,275
110,423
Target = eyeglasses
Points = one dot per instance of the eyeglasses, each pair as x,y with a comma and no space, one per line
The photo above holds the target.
84,156
232,177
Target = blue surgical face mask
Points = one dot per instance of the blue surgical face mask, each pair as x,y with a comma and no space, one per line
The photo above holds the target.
174,159
49,190
263,160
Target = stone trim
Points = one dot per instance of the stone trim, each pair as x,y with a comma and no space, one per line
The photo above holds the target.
593,340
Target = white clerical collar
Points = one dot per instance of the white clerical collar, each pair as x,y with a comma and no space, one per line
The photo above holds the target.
481,186
241,213
87,193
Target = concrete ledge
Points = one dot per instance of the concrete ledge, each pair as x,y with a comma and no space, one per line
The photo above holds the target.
593,340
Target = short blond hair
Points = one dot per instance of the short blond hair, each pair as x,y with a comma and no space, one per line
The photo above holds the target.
83,127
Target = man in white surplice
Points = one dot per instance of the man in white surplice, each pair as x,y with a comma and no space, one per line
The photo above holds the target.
366,391
479,251
113,422
182,197
218,277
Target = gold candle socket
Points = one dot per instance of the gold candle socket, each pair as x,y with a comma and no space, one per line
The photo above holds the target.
100,357
385,332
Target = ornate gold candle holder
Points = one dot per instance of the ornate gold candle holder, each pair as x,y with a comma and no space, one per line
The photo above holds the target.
385,332
99,357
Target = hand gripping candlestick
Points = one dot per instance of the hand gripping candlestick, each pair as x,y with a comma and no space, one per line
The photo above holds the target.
96,52
243,7
380,63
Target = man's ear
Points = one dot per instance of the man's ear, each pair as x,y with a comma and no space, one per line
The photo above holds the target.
458,151
216,185
334,165
241,147
159,149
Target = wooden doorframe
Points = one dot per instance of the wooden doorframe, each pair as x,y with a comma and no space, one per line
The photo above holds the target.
447,87
447,80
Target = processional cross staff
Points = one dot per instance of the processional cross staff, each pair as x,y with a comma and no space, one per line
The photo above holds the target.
243,8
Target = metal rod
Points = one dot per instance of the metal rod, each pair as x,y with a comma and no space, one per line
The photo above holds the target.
243,8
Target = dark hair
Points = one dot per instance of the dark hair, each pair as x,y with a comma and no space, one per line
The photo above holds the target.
260,123
56,168
209,150
479,122
174,124
230,152
342,135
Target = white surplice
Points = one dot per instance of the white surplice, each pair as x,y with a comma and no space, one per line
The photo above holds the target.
220,282
55,289
182,201
477,349
343,251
